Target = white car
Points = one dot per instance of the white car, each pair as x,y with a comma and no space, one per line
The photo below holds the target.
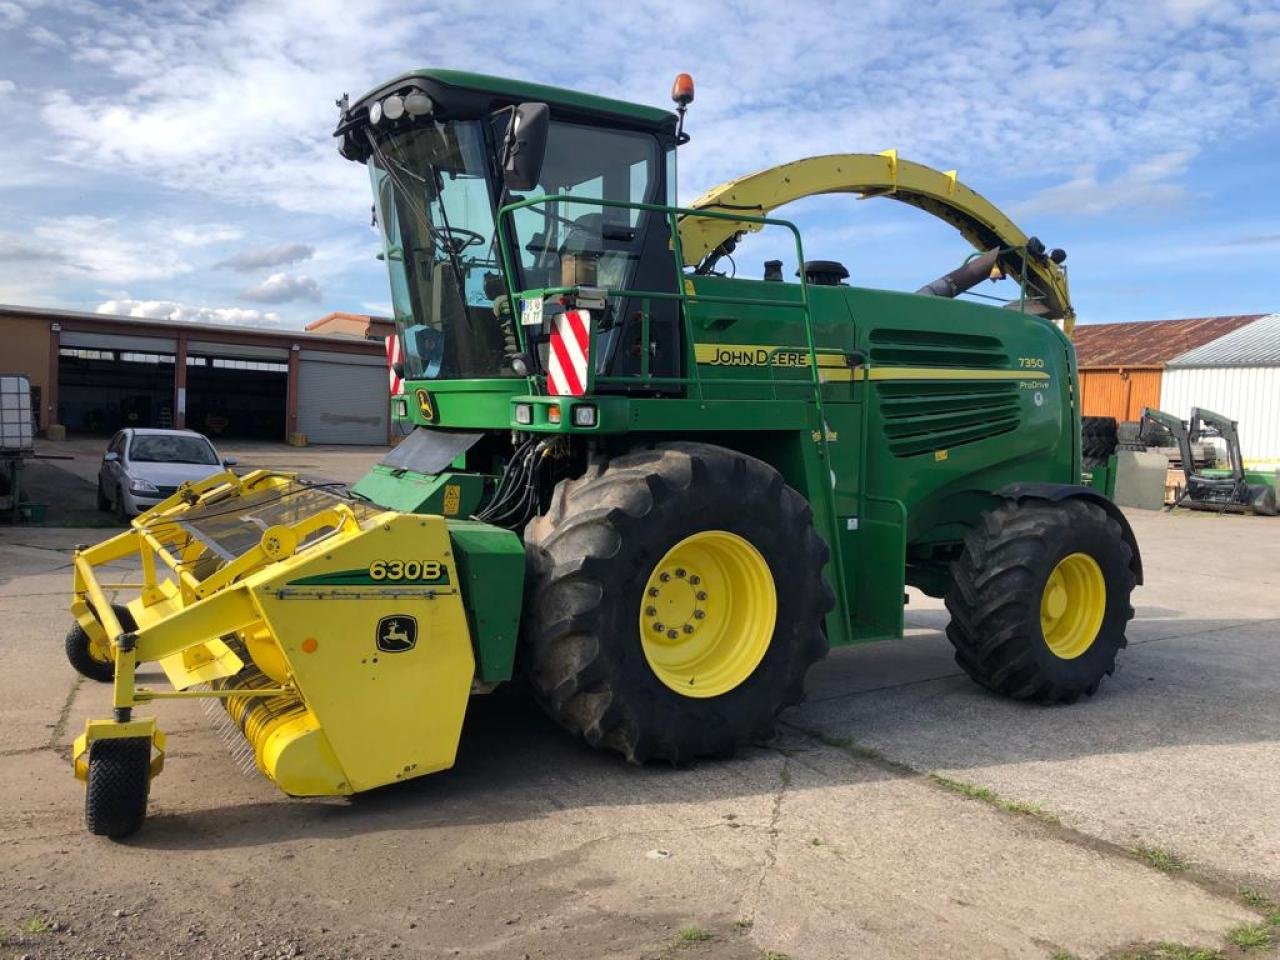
143,467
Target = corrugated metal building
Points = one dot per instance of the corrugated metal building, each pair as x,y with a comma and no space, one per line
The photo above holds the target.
1238,376
1121,364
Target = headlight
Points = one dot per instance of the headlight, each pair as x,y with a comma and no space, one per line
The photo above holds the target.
417,103
138,485
393,107
584,415
524,413
375,112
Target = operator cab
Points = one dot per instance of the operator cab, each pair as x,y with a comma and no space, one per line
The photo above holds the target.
447,150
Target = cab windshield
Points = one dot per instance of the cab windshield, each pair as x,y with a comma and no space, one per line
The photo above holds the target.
435,210
435,198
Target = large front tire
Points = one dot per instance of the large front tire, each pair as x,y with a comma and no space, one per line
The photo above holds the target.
1039,599
676,601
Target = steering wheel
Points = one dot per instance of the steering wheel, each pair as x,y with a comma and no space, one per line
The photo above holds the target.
457,239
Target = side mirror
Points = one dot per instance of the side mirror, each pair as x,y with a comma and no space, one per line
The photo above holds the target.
110,457
526,145
229,461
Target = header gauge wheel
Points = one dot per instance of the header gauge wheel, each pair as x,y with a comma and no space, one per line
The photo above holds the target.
115,803
1040,600
676,602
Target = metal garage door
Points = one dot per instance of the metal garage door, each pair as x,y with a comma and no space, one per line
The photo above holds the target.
342,398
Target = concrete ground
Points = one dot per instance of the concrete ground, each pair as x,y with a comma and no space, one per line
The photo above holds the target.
902,812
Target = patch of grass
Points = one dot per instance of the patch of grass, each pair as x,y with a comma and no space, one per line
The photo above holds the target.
974,792
1167,950
36,925
1261,902
692,934
1255,898
970,790
815,842
1164,860
1249,936
1063,955
774,955
1028,809
852,746
743,924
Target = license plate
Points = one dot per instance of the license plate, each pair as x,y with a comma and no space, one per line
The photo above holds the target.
531,312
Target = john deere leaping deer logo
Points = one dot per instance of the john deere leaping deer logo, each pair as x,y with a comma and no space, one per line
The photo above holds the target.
396,634
425,406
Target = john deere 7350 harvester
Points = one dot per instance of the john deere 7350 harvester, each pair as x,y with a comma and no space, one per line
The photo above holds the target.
657,490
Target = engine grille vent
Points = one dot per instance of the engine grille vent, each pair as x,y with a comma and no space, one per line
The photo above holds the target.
924,417
934,348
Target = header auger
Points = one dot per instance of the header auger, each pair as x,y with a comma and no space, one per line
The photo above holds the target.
658,492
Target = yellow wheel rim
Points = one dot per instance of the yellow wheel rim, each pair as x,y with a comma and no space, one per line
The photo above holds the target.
707,614
1072,605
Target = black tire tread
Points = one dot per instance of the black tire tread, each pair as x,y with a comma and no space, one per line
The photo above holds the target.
570,548
76,646
995,593
115,801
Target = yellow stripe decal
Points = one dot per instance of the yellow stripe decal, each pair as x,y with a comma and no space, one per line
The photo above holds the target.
930,373
832,366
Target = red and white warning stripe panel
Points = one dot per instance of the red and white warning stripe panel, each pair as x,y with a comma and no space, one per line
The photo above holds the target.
394,357
570,355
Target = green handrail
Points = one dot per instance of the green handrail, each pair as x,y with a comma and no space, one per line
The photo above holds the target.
672,214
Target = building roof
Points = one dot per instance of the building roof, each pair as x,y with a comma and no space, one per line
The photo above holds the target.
232,332
1254,345
1151,343
363,325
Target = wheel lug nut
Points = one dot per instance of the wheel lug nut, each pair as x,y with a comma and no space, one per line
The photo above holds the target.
698,614
658,628
702,594
688,628
694,579
679,571
672,634
650,611
664,577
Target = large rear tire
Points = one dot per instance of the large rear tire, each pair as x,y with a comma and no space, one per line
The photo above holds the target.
1097,440
676,601
1039,599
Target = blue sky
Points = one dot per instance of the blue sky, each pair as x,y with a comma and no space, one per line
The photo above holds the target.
174,159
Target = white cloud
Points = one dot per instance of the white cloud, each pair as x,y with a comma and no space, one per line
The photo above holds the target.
1147,185
7,87
119,254
170,310
258,258
237,103
282,288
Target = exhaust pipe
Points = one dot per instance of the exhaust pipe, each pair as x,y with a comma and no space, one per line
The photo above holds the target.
951,285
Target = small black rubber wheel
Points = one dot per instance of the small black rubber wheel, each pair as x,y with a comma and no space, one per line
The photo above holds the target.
115,803
1039,599
89,662
676,601
103,503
